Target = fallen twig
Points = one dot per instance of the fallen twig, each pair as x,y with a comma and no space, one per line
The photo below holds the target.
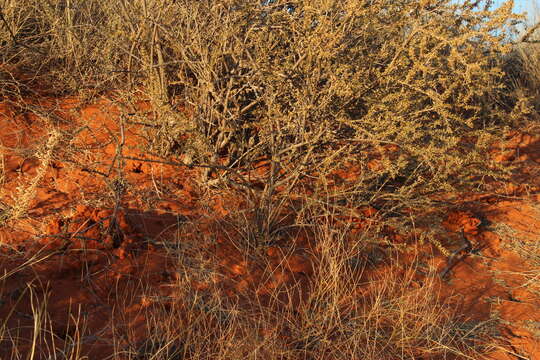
452,261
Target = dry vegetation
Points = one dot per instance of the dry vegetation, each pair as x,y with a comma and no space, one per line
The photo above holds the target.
412,93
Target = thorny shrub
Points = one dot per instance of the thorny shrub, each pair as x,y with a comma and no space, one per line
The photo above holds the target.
317,84
313,85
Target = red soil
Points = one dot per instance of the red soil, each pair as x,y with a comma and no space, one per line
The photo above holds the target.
82,261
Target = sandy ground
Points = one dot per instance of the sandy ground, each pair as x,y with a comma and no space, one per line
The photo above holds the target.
99,258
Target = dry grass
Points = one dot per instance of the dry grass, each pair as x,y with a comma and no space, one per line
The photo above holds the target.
424,87
394,318
526,60
525,243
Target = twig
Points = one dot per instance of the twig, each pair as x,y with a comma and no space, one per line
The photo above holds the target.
65,236
467,247
14,37
527,35
11,33
118,187
175,163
